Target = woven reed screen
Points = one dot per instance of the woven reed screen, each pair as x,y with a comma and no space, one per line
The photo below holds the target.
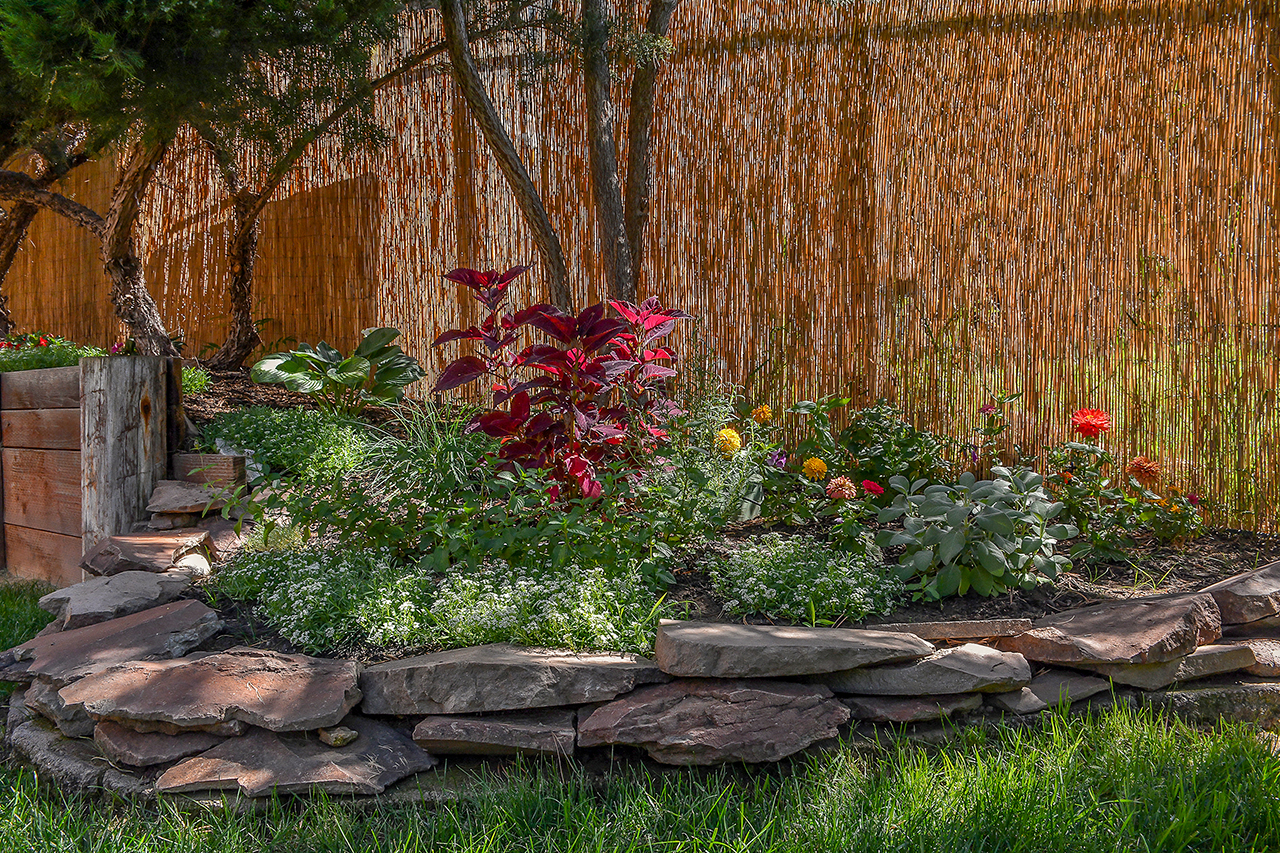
920,200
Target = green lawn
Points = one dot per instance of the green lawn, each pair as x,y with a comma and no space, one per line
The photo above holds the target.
1124,781
20,618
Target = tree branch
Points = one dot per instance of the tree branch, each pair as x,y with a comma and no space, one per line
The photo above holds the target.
21,187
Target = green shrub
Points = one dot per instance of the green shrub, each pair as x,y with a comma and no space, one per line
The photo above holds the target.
326,599
986,535
37,350
804,580
309,445
194,379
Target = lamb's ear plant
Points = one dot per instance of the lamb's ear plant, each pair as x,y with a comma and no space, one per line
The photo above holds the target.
986,535
377,372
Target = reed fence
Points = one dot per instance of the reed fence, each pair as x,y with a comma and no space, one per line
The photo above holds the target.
922,200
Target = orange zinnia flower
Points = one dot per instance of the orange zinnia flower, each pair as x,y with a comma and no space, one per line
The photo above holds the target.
1145,471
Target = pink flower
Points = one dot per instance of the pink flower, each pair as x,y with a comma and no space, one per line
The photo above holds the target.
871,487
841,489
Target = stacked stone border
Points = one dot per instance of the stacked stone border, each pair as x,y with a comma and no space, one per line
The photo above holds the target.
115,696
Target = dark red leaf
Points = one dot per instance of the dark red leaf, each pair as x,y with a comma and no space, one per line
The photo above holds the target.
466,369
471,334
549,319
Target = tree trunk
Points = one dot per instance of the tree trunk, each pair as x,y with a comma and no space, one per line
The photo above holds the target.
490,124
640,135
13,230
242,338
120,261
603,152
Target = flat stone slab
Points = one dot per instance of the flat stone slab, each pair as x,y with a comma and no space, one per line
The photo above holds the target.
74,764
714,721
500,677
125,746
102,598
544,732
1248,597
42,697
1048,690
1266,658
1135,630
1263,629
1252,702
178,496
969,668
168,631
910,709
1203,662
278,692
263,762
142,552
978,629
715,650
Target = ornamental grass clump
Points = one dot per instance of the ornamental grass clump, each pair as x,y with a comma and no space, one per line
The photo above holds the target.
802,579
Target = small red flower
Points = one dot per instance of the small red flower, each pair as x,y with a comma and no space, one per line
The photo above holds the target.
871,487
1091,423
44,342
1065,475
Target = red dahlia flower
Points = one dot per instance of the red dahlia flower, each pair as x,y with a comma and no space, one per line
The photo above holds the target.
1091,423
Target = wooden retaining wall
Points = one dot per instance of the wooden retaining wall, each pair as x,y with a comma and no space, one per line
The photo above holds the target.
81,449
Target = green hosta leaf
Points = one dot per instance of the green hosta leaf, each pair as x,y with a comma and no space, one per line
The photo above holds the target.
351,372
374,340
328,353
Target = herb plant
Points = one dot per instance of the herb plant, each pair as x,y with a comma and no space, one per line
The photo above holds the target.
301,444
986,535
37,350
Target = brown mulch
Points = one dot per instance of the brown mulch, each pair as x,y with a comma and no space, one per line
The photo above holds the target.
231,390
1150,570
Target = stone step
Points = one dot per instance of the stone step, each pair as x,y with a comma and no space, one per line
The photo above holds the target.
143,552
716,650
136,749
1048,690
978,629
99,599
168,631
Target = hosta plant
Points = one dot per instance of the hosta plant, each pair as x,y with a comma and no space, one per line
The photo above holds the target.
377,372
592,391
986,535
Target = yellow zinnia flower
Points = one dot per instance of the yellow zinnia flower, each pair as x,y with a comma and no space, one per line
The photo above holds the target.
814,468
762,414
728,442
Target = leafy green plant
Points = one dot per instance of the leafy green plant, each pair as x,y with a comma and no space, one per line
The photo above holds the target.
194,379
37,350
377,372
883,445
986,535
803,579
303,444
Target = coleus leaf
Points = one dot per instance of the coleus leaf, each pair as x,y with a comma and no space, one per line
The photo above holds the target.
471,334
466,369
548,319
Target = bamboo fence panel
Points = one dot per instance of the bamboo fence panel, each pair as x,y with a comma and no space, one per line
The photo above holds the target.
922,200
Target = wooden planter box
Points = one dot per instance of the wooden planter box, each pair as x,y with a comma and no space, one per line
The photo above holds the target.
81,449
216,469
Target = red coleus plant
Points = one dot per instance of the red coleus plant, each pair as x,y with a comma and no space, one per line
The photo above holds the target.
594,392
